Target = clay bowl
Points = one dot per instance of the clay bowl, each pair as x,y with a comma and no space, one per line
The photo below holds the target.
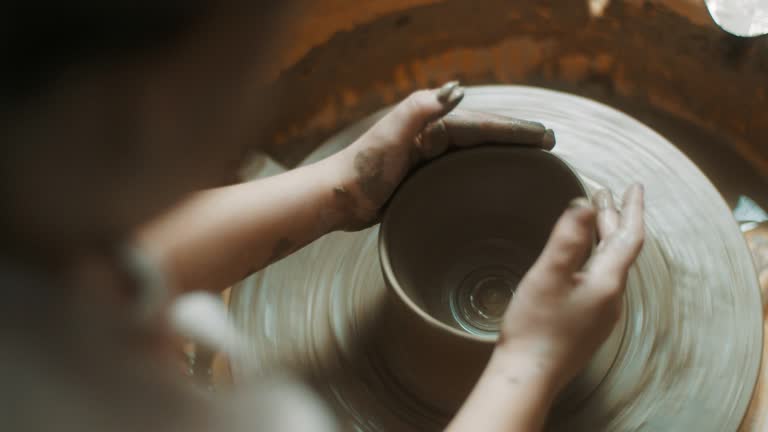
462,231
455,240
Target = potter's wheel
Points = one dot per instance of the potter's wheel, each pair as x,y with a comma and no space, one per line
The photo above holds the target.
691,347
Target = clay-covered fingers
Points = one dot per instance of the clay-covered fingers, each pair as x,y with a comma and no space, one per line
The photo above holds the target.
409,118
464,128
570,243
621,247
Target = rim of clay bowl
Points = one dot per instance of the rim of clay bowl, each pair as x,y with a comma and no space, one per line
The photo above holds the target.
389,274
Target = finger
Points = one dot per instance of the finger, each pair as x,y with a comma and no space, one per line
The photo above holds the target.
463,128
570,243
621,248
607,216
412,115
632,211
470,128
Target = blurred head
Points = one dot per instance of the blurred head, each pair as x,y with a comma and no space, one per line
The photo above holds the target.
109,114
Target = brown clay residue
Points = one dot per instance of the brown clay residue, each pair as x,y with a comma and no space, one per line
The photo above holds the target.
345,209
369,165
282,248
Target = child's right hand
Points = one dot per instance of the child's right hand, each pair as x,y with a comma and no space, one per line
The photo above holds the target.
561,313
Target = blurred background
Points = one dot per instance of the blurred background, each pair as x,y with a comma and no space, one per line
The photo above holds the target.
665,62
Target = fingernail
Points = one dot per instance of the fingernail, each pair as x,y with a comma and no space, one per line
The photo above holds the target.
548,141
454,98
579,203
444,93
604,199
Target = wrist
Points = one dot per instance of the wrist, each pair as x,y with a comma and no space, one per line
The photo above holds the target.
352,212
342,209
515,392
528,368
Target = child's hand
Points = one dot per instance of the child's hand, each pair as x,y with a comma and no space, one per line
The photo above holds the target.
561,313
419,128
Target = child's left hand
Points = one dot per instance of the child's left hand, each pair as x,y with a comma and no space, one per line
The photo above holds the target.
421,127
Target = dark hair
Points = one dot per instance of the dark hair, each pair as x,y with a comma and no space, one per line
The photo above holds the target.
38,43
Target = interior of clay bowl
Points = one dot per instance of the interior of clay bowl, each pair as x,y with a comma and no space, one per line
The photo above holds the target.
461,232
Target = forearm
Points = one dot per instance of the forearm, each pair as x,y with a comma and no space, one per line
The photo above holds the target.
514,394
219,236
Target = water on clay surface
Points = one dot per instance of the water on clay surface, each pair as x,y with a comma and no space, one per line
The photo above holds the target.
478,303
479,285
478,288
